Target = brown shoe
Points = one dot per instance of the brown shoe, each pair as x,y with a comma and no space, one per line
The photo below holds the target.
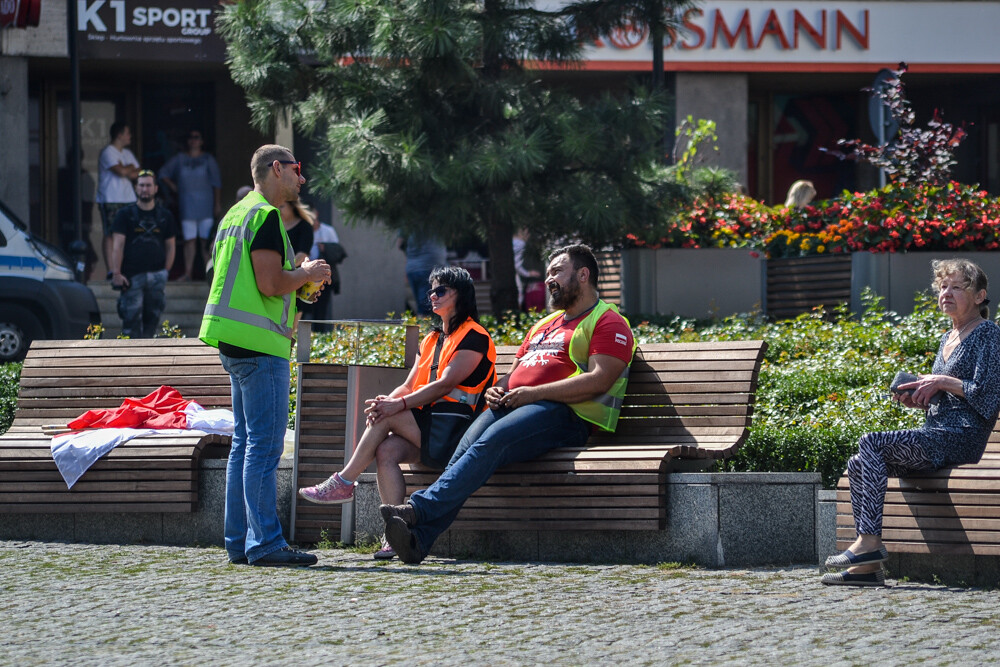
404,512
399,537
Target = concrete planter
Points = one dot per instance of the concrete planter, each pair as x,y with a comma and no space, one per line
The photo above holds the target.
707,282
899,276
713,519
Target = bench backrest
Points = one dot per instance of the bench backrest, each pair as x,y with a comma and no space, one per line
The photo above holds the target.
62,379
696,397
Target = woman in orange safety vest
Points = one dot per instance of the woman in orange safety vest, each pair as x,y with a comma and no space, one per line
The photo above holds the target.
423,419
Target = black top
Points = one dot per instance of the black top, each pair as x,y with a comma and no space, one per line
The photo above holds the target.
145,233
476,342
301,237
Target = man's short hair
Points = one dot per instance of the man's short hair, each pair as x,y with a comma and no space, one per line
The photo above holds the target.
116,129
146,172
582,257
264,157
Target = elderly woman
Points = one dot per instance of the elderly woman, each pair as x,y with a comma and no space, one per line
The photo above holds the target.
961,397
422,420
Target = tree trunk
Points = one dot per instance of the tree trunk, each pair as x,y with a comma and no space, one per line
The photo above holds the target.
503,289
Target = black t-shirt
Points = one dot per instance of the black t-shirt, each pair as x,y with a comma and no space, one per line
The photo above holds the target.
145,235
476,342
301,237
268,237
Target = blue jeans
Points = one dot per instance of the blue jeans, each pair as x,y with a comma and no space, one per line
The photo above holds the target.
419,283
141,305
260,388
497,438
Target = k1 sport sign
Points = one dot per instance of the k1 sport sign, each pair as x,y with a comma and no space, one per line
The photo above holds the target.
149,30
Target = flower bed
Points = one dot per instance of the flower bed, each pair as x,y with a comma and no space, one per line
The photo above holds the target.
896,218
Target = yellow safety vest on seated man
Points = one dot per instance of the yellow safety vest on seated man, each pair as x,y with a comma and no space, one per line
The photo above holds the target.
237,313
602,410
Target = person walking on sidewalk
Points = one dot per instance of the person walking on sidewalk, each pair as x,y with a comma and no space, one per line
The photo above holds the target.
143,244
568,377
423,419
249,317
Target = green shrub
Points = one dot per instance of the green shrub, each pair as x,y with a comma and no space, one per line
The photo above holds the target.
10,377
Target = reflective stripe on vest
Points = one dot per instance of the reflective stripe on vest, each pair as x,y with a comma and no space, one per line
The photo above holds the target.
601,410
467,395
242,234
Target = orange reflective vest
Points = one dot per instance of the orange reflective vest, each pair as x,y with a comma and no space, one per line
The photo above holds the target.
464,394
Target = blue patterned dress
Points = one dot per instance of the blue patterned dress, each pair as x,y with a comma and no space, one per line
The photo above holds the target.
956,429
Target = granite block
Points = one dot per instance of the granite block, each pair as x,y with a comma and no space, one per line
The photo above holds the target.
763,524
497,545
826,524
39,527
692,529
987,571
580,546
368,524
951,569
119,528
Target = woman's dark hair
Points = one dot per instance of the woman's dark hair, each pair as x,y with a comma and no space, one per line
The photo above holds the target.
465,294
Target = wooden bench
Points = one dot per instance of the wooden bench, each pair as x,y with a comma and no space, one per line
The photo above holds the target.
687,405
60,380
949,511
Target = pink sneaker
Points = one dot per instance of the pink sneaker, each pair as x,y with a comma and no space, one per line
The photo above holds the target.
331,492
385,553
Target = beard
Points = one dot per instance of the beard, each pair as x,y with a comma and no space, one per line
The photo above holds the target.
145,199
561,298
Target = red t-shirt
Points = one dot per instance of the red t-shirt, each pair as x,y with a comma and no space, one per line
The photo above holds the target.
544,357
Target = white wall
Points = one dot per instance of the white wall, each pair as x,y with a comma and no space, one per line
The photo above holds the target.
722,97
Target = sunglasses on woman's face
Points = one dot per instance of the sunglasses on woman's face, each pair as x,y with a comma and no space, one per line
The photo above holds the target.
438,291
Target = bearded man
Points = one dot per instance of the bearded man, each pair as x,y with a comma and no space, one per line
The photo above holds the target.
568,378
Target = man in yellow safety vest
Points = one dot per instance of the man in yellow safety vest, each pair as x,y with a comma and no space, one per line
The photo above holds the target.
250,317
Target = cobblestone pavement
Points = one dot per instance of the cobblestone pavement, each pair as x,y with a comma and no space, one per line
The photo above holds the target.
124,605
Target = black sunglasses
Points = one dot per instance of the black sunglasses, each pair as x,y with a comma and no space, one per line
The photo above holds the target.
297,166
438,291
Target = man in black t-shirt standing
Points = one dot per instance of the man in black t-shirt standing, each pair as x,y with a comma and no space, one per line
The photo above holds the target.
142,251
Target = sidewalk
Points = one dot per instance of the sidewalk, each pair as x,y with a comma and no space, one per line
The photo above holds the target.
145,605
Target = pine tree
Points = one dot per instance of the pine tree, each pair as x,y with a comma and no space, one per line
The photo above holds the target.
432,116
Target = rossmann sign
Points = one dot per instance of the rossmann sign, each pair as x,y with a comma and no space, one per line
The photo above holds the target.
816,36
149,30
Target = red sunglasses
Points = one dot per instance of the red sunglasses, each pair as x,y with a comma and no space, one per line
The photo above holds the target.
295,165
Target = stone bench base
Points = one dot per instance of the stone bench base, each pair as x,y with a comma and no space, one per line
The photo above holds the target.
713,519
204,526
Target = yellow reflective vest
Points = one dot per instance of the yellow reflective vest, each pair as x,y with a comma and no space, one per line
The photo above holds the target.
237,313
602,410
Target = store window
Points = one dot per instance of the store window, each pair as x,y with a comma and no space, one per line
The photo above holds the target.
801,125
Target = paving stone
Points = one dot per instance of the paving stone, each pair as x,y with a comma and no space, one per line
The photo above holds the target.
136,605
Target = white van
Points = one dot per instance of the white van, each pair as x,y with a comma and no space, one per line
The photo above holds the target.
40,296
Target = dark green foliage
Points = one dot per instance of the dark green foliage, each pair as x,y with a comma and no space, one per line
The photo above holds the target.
429,117
10,377
824,382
